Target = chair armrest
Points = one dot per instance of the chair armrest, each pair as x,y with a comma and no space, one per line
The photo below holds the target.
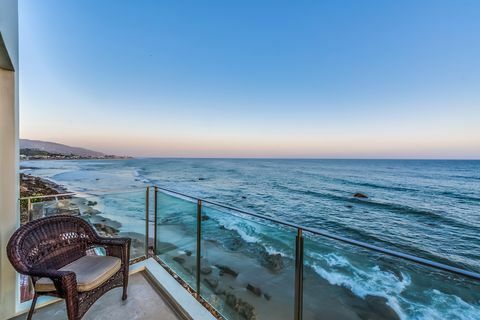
63,281
116,247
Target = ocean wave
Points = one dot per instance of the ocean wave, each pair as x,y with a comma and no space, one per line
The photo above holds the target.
388,206
445,306
474,178
246,231
460,196
274,251
362,282
337,270
252,233
369,184
379,186
139,176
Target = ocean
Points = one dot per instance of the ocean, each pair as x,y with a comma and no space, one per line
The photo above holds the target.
428,208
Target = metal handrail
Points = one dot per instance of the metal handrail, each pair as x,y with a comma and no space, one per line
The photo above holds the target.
316,231
48,196
90,192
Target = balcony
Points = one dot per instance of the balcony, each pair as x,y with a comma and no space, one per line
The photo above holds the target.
195,253
146,302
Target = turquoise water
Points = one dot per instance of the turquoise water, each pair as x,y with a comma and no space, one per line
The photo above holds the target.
427,208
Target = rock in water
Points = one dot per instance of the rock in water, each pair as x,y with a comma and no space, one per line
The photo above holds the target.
212,283
274,262
206,270
360,195
380,306
179,260
227,270
244,309
105,229
255,290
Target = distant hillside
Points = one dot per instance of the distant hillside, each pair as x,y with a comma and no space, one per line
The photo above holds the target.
57,148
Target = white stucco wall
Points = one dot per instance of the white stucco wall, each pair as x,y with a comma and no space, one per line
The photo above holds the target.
9,190
9,27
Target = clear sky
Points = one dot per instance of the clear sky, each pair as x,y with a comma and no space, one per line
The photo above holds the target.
342,79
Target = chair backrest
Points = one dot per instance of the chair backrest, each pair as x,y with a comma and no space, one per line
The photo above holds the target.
49,243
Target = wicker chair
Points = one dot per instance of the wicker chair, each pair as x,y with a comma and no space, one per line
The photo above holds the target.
53,252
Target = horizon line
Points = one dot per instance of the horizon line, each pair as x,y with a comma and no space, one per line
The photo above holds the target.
277,158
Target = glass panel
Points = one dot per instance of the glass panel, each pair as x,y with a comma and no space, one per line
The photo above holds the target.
117,215
247,266
34,208
24,211
177,235
346,282
112,215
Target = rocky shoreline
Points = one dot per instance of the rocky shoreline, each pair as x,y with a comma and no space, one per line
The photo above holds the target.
31,186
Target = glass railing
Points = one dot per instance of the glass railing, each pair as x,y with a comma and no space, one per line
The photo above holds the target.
176,234
342,278
111,213
248,266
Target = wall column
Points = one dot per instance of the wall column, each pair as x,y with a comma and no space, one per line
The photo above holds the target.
8,190
9,157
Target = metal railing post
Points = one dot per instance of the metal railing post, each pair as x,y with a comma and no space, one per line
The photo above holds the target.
155,217
199,240
147,209
29,209
298,275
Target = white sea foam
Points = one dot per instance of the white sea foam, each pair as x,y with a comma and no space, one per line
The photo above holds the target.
334,260
362,282
446,306
337,270
246,231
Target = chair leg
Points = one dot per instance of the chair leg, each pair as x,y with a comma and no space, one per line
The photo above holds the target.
125,283
124,295
72,307
32,307
125,286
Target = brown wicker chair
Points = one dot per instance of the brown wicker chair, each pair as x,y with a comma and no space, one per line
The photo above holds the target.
46,250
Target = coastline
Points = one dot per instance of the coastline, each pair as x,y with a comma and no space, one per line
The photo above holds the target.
31,186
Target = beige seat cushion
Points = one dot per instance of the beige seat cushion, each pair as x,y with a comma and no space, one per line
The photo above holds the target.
91,272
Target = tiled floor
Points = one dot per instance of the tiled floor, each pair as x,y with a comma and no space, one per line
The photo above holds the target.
144,302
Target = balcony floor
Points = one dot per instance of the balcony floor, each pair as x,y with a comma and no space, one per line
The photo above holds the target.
144,302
